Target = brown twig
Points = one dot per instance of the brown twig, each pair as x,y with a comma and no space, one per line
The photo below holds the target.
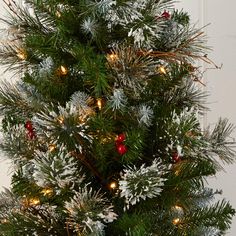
179,54
67,228
87,163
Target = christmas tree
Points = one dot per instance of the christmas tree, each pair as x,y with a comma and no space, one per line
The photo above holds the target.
103,126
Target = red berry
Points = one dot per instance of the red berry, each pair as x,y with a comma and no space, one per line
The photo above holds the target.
121,149
176,157
120,138
29,126
165,15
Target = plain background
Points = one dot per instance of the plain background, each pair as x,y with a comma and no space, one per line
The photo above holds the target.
221,83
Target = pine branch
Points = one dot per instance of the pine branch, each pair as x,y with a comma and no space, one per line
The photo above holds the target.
14,101
221,144
8,201
38,22
86,162
177,89
191,169
218,216
10,57
201,198
12,6
92,209
189,95
130,69
131,224
93,68
65,125
32,220
57,169
23,182
18,54
17,145
184,44
181,17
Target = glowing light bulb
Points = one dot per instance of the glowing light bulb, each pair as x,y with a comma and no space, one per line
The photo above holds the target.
63,70
179,208
34,201
52,147
162,70
47,191
112,57
113,185
21,54
60,120
99,103
176,221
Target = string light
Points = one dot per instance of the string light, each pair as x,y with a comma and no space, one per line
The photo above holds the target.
47,191
99,103
162,70
112,57
176,221
60,120
21,54
52,147
28,202
33,201
63,70
178,208
113,185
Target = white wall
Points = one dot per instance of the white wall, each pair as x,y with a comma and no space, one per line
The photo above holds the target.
221,83
4,163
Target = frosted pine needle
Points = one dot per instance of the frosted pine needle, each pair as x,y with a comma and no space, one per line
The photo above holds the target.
58,169
46,66
118,100
145,114
140,183
89,26
65,125
130,69
104,6
90,210
81,101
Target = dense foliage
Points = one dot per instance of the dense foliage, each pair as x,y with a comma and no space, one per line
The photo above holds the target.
102,125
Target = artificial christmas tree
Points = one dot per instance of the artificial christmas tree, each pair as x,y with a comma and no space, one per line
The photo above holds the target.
102,127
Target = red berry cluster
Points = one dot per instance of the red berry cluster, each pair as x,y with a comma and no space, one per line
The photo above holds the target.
120,146
166,15
176,157
31,132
